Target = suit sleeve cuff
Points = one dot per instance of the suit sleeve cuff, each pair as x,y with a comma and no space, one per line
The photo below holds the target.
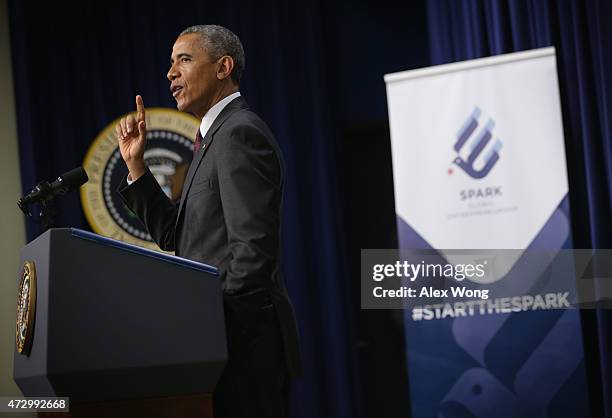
145,183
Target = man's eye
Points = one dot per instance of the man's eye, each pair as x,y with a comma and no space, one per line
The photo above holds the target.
185,59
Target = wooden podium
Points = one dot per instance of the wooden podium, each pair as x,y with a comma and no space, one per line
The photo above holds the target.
121,330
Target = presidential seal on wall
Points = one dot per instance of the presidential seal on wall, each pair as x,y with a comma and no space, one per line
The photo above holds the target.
26,308
169,151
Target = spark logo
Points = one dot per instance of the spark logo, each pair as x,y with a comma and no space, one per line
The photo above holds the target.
476,146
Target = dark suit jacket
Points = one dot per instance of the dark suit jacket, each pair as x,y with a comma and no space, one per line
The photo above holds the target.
229,216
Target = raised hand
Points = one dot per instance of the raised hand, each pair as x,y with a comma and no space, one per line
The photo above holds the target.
132,136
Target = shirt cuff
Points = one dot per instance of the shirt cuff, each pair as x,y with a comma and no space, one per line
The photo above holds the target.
129,180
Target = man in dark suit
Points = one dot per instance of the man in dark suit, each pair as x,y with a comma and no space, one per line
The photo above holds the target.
229,216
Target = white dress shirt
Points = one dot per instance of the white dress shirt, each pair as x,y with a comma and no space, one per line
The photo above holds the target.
214,111
208,118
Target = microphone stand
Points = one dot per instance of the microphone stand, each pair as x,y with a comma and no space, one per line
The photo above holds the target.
48,211
47,214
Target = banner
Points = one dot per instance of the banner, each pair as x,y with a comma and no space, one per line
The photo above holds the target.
479,163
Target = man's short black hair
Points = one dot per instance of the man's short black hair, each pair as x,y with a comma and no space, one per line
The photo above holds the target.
220,41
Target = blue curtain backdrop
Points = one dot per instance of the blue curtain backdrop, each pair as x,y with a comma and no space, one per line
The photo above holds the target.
581,34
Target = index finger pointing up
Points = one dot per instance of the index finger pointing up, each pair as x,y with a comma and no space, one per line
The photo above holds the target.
140,110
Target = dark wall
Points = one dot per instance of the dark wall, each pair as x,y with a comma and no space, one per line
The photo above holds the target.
373,39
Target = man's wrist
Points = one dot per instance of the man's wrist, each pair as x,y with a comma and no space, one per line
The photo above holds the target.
136,171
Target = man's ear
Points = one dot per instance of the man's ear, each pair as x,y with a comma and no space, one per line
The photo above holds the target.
226,65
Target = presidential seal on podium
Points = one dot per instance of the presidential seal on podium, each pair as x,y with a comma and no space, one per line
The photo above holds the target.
26,308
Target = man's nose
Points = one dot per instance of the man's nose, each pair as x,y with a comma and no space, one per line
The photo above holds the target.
172,73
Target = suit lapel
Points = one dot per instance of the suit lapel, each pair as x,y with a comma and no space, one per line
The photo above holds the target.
233,106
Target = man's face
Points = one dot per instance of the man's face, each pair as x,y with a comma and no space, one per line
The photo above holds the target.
193,75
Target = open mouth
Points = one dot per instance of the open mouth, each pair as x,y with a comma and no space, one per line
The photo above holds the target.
176,90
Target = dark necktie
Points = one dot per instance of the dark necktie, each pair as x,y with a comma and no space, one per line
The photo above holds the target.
197,145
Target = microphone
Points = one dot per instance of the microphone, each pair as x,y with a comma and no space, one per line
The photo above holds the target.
45,191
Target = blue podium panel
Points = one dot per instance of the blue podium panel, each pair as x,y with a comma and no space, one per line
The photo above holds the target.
116,321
